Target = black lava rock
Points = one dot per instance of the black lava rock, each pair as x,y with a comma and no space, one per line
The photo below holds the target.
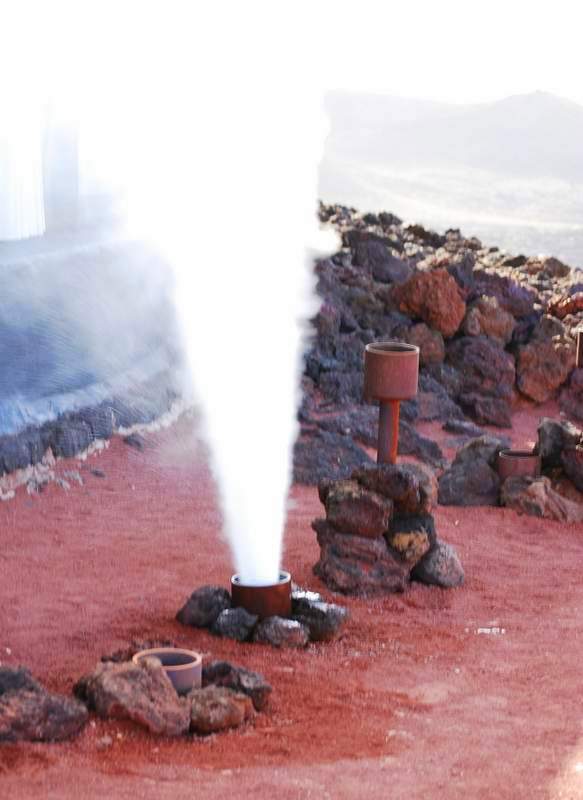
253,684
234,623
204,606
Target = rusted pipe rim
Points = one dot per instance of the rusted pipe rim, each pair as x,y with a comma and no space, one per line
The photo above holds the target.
509,453
191,658
394,348
284,577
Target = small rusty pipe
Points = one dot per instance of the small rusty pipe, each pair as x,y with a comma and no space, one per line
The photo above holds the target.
579,361
388,436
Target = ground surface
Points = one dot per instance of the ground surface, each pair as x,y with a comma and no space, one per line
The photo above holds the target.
418,699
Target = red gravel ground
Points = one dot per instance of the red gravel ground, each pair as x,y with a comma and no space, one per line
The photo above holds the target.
416,700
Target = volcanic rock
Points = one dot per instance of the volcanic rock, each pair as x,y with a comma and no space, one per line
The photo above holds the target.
140,692
561,306
377,258
127,652
320,454
412,443
234,623
544,364
67,436
411,487
536,497
21,450
485,317
281,632
571,397
433,399
37,716
352,509
323,620
512,296
477,486
472,479
572,461
553,437
15,679
555,268
487,378
412,536
216,708
430,343
253,684
433,297
100,420
463,428
440,567
203,606
356,565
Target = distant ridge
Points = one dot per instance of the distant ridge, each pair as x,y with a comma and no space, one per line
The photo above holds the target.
531,135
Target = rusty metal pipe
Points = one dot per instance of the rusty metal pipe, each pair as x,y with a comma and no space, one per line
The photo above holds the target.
273,600
579,361
388,436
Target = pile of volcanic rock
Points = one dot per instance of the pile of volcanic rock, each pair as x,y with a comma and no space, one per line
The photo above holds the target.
491,327
473,479
141,693
312,618
379,532
144,694
558,493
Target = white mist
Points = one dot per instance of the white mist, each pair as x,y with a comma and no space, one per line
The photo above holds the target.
230,194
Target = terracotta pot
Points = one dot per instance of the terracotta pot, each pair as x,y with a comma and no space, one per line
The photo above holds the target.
265,601
518,462
391,372
183,667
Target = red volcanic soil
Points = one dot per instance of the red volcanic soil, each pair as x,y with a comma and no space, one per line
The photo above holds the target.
418,699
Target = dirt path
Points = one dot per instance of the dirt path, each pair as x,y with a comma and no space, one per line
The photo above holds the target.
419,699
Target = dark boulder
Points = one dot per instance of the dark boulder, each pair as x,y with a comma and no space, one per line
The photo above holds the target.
203,606
440,567
253,684
281,632
234,623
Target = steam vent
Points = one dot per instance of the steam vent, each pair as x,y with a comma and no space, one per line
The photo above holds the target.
379,532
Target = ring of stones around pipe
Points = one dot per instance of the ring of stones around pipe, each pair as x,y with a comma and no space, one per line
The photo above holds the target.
312,619
143,693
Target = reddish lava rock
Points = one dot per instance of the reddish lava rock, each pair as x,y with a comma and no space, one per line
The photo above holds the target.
435,298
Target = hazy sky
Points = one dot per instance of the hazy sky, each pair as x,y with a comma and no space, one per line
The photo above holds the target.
452,50
461,51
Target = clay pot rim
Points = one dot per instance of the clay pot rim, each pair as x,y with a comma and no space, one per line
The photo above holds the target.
392,347
195,658
519,454
284,577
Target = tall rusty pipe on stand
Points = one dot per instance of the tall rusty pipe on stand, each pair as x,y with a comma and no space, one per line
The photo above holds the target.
391,372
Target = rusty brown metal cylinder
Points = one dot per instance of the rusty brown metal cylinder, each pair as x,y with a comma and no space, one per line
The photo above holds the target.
579,360
391,373
523,463
273,600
